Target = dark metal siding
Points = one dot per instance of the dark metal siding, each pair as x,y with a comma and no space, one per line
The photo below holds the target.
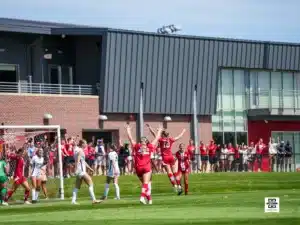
170,66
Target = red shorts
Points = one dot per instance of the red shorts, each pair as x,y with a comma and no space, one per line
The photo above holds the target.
19,180
180,170
140,171
168,160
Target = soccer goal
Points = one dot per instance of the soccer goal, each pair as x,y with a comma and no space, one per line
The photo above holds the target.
31,138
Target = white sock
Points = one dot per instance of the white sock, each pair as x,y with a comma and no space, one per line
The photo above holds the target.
74,196
37,195
106,190
149,189
117,190
91,191
33,196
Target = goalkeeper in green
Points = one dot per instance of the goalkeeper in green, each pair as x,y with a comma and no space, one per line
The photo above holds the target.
3,179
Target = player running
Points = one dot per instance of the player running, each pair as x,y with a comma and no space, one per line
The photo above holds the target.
143,156
19,178
113,172
37,163
81,174
184,158
168,160
4,170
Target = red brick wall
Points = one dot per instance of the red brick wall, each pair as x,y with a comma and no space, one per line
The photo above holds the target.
71,112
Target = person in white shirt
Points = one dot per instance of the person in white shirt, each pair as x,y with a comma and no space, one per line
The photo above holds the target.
246,154
113,172
37,163
223,158
100,161
272,153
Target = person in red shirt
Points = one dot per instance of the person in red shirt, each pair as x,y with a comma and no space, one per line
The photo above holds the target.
237,158
90,155
204,156
191,149
212,148
231,153
143,160
168,160
260,146
19,178
183,158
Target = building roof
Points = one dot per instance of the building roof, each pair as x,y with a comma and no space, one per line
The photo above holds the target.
42,27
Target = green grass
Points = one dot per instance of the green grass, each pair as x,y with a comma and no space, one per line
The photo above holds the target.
227,198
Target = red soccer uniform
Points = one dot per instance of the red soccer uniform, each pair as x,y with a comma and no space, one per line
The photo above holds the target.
203,150
191,151
260,148
142,158
91,153
165,145
64,150
183,161
19,170
69,149
231,151
212,148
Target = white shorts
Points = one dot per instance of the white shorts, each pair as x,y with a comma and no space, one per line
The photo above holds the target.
100,161
36,173
112,174
80,174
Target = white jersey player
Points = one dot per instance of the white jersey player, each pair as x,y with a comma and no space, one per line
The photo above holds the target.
37,163
81,175
113,172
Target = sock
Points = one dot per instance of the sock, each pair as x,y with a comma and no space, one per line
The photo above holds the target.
91,191
144,190
186,188
37,195
26,195
178,180
9,194
33,194
149,197
3,194
74,196
106,190
172,179
117,190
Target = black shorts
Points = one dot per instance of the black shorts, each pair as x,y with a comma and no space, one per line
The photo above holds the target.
69,160
212,159
90,162
204,158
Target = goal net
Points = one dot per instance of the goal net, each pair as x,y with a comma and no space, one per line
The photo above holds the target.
32,138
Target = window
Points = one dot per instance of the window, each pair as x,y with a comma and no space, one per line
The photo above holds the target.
228,118
241,137
218,137
229,137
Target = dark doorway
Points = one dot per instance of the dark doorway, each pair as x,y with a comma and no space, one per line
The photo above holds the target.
8,76
54,75
107,136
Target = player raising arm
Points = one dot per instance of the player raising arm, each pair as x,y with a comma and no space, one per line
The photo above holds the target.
143,155
37,162
19,178
168,160
81,174
113,172
184,158
4,170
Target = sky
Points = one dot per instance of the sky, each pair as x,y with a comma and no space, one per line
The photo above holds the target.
274,20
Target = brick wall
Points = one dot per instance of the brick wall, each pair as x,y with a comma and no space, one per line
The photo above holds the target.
71,112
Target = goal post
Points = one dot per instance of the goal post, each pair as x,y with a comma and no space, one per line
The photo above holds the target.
11,135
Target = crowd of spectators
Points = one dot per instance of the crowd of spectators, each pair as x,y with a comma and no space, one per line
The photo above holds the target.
212,157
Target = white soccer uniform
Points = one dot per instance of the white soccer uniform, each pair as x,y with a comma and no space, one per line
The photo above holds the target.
37,164
113,164
100,158
81,166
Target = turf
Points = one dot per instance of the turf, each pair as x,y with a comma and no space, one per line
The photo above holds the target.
227,198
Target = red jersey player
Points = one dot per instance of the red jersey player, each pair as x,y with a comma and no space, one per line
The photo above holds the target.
183,158
168,160
260,146
143,155
19,178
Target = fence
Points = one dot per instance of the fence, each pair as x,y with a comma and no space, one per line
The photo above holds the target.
43,88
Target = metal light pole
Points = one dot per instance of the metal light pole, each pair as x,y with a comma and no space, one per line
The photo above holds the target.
141,114
195,123
169,29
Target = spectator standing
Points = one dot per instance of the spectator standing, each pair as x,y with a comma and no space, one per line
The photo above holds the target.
100,157
272,153
191,151
231,153
204,156
252,157
123,157
223,158
280,156
245,154
260,146
212,148
288,157
237,158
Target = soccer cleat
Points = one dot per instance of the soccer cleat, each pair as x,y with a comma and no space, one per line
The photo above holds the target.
150,202
34,201
179,191
74,203
175,188
116,198
97,201
4,204
27,203
143,201
103,198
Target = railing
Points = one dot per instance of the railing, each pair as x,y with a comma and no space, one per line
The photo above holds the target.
43,88
273,99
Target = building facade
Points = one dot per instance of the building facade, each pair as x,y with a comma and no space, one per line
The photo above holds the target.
73,71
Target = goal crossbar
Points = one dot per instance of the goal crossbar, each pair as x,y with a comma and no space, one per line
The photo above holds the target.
57,128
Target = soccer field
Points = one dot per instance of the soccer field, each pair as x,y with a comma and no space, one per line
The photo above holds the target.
227,198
